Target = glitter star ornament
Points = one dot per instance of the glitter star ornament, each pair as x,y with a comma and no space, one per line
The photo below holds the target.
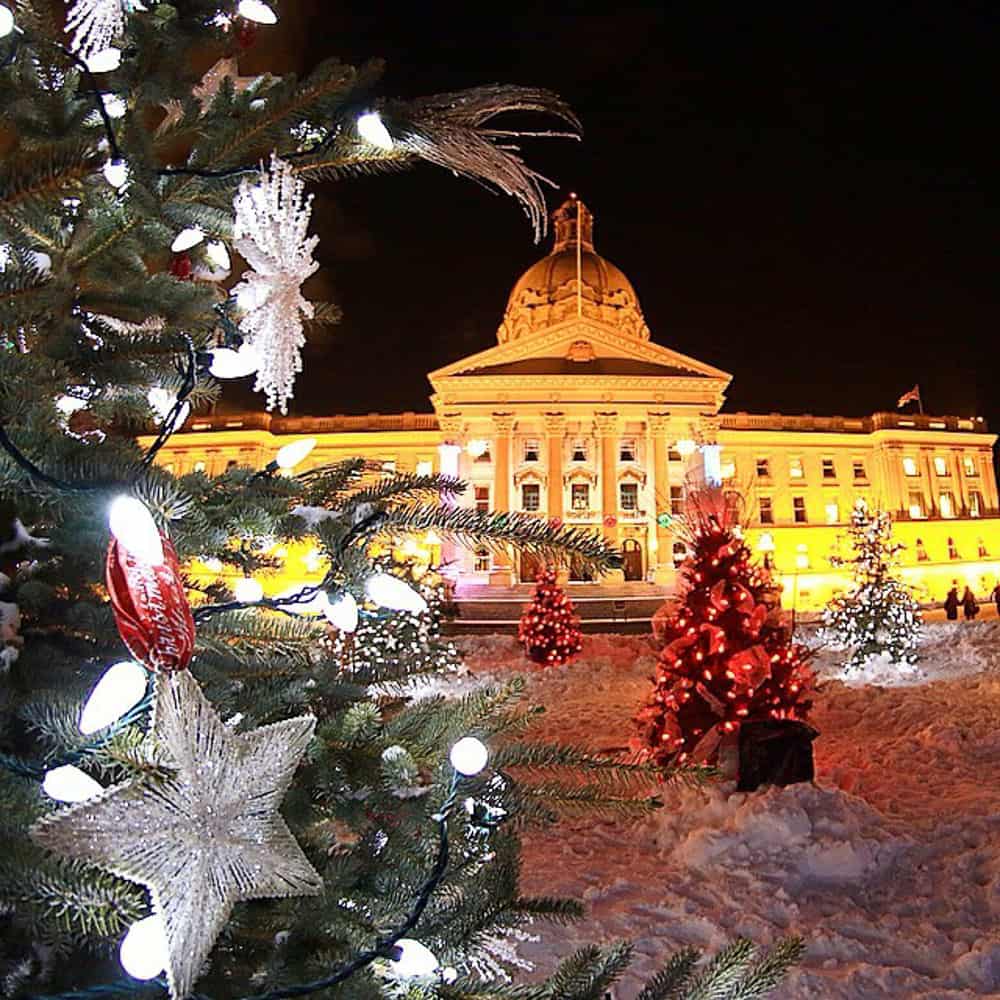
272,217
206,836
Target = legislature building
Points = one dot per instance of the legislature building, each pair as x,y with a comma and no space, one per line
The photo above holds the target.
577,415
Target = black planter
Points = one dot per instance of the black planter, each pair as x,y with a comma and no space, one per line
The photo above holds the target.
778,752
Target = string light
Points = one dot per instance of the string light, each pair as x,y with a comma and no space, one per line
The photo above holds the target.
6,21
104,61
248,590
218,254
143,952
70,784
186,239
469,756
227,363
388,591
116,171
134,528
121,687
343,612
257,11
372,129
414,959
291,454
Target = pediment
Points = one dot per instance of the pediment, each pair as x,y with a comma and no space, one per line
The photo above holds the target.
579,347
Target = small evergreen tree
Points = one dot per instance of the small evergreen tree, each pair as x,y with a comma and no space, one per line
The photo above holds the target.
878,616
549,628
725,660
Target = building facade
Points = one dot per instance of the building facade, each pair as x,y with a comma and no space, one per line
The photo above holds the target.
578,417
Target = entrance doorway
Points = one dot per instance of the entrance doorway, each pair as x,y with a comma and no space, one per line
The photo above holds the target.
632,554
531,566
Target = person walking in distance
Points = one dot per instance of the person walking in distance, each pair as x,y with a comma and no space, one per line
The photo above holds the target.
995,594
969,604
951,602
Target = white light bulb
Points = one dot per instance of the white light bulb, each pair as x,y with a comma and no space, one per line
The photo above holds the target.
372,129
469,756
70,784
247,590
104,61
316,604
6,21
122,687
343,613
256,10
186,239
134,527
68,405
388,591
290,455
143,952
415,959
227,363
114,105
116,173
218,254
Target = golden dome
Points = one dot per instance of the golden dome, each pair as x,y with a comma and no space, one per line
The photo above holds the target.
547,293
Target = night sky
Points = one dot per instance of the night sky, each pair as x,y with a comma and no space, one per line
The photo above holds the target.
799,197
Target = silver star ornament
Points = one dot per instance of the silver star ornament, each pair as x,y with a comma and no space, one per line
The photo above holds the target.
206,836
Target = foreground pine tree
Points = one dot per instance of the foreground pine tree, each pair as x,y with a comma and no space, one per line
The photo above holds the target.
195,791
549,628
878,617
725,660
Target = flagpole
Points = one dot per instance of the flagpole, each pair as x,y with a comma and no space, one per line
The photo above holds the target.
920,402
579,263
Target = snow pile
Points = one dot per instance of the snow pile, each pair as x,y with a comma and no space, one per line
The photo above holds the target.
888,866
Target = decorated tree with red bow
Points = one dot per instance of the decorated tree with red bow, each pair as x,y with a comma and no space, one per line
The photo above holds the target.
549,628
726,660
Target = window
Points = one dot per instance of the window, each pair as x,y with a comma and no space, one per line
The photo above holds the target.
946,503
199,466
425,468
531,496
676,500
626,451
629,496
766,510
579,451
795,470
483,561
802,556
673,455
969,463
921,551
679,553
910,466
981,549
829,470
941,465
859,469
580,496
975,503
763,468
953,549
916,504
482,498
832,512
532,450
484,455
799,510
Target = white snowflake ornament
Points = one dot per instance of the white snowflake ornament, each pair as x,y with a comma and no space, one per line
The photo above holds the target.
272,218
97,23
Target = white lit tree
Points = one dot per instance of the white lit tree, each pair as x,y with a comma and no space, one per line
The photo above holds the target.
878,616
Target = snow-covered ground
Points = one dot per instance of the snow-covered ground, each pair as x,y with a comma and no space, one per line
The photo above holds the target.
889,866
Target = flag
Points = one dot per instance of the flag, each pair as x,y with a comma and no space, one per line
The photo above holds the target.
913,396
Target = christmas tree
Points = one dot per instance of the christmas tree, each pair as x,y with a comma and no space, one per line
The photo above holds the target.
878,616
549,628
725,661
196,794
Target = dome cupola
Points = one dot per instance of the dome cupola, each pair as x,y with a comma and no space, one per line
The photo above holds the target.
572,281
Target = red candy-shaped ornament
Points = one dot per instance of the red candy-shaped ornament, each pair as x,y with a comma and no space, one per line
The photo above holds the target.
151,608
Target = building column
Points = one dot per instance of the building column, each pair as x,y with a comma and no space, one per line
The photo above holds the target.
898,497
503,426
961,487
555,432
932,489
607,429
449,453
658,425
988,480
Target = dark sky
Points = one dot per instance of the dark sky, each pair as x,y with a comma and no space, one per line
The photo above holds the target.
798,196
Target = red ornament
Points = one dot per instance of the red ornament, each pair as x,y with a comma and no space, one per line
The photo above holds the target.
151,608
180,266
610,521
555,523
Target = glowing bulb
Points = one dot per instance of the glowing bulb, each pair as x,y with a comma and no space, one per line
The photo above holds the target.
122,687
227,363
389,591
343,613
247,590
186,239
143,951
114,105
415,959
136,531
477,447
290,455
116,172
218,254
100,62
6,21
372,129
469,756
686,447
70,784
256,10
